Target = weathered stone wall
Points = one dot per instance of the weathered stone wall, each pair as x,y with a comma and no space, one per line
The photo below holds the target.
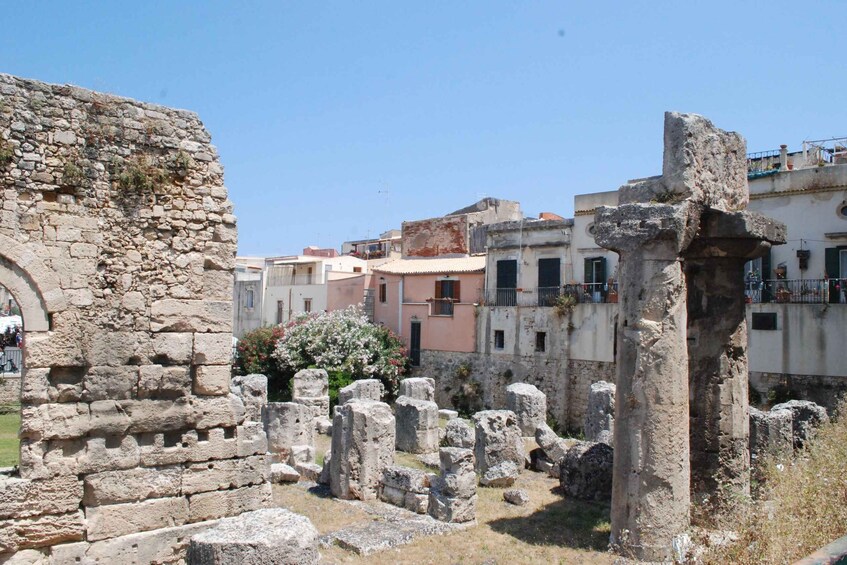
767,389
435,236
565,382
118,240
10,390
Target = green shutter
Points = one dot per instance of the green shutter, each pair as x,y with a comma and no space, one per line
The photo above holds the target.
766,274
832,265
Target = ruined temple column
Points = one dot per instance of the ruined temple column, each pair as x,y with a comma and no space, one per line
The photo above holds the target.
717,351
650,492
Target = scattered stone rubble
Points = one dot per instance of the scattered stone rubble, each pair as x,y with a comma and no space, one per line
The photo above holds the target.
273,535
600,414
362,446
516,496
529,405
417,425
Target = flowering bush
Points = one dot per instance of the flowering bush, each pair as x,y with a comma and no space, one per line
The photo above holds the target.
254,352
345,341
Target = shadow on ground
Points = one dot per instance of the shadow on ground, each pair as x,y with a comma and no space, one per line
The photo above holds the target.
566,522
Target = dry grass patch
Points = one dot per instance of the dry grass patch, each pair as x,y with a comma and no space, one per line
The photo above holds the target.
550,529
802,507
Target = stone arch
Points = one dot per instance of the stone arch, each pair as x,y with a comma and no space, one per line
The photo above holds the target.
34,286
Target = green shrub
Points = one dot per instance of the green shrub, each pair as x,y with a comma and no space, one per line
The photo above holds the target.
254,355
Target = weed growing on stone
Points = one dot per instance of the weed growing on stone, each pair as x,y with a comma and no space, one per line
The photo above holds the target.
7,153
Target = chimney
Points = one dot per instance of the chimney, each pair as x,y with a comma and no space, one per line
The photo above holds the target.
783,157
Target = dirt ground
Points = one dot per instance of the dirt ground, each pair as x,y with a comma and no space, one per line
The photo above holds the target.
550,529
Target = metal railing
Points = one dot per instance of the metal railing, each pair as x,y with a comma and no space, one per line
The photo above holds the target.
796,291
10,360
547,296
293,280
441,306
762,162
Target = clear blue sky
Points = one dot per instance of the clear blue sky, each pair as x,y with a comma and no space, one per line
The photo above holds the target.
318,108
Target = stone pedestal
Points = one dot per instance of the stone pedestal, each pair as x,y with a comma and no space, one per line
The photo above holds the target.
362,446
417,425
310,387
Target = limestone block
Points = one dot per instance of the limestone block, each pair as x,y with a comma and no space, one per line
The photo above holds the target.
498,439
450,509
157,382
417,425
516,496
586,471
323,426
157,415
282,473
405,479
806,418
529,405
166,545
287,424
318,406
25,557
417,503
109,383
36,387
771,434
114,487
219,504
217,411
216,443
251,439
177,315
362,446
501,475
459,434
310,383
554,447
301,454
456,461
212,349
368,389
225,474
420,388
326,469
115,520
600,414
264,536
40,531
309,471
458,485
55,421
392,495
447,414
21,498
213,380
253,391
173,348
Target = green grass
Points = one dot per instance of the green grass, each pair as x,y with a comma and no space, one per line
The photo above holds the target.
10,424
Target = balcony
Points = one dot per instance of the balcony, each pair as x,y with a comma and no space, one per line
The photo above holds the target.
795,291
547,296
441,306
293,280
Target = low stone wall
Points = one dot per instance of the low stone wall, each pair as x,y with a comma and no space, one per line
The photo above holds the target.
565,382
10,389
770,388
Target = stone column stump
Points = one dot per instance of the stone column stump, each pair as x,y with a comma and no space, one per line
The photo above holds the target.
362,446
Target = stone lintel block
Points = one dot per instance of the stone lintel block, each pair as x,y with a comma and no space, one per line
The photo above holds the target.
310,383
41,531
22,498
178,315
166,545
212,349
115,520
219,504
131,485
225,474
742,224
633,226
212,380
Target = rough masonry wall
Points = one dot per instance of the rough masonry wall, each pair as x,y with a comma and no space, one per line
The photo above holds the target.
119,239
436,236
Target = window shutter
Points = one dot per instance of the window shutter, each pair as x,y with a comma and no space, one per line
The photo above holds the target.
457,286
767,275
437,289
588,266
601,270
831,266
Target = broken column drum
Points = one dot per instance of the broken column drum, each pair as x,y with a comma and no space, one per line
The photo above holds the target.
417,425
362,446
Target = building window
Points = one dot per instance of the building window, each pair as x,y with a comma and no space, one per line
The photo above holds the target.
248,298
307,305
357,269
280,310
541,342
383,292
499,339
309,276
446,294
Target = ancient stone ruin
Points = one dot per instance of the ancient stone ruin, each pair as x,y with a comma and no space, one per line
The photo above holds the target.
683,238
118,242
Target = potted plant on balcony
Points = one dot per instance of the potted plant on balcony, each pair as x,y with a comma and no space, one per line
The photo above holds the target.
612,294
